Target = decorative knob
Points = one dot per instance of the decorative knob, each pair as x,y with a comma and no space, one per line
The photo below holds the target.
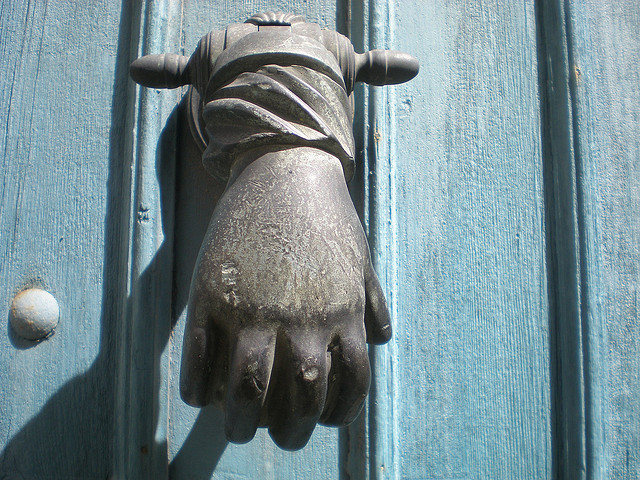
34,314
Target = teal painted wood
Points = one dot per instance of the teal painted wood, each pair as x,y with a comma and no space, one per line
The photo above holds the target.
500,195
197,447
64,201
143,390
457,205
604,53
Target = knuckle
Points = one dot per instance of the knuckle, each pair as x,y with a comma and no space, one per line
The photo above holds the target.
250,385
311,387
308,374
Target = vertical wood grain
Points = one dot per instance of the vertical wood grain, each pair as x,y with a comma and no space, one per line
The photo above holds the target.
604,53
142,415
64,199
463,390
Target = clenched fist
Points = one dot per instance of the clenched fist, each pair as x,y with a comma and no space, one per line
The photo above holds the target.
283,301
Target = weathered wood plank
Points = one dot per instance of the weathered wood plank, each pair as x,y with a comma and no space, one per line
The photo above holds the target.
63,197
604,54
455,202
456,222
142,415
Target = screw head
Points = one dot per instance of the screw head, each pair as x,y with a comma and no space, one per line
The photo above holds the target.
34,314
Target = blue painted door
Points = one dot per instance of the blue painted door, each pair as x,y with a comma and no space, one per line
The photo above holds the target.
499,190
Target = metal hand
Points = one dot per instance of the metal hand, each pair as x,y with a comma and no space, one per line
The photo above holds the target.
276,327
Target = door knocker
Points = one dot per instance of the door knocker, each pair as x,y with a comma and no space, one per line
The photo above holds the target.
284,296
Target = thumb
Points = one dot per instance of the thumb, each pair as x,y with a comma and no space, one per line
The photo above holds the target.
377,320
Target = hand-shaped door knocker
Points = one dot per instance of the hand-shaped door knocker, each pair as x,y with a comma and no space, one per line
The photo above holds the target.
284,296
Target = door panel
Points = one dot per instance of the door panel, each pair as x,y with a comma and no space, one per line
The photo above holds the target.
457,201
498,189
63,227
604,54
